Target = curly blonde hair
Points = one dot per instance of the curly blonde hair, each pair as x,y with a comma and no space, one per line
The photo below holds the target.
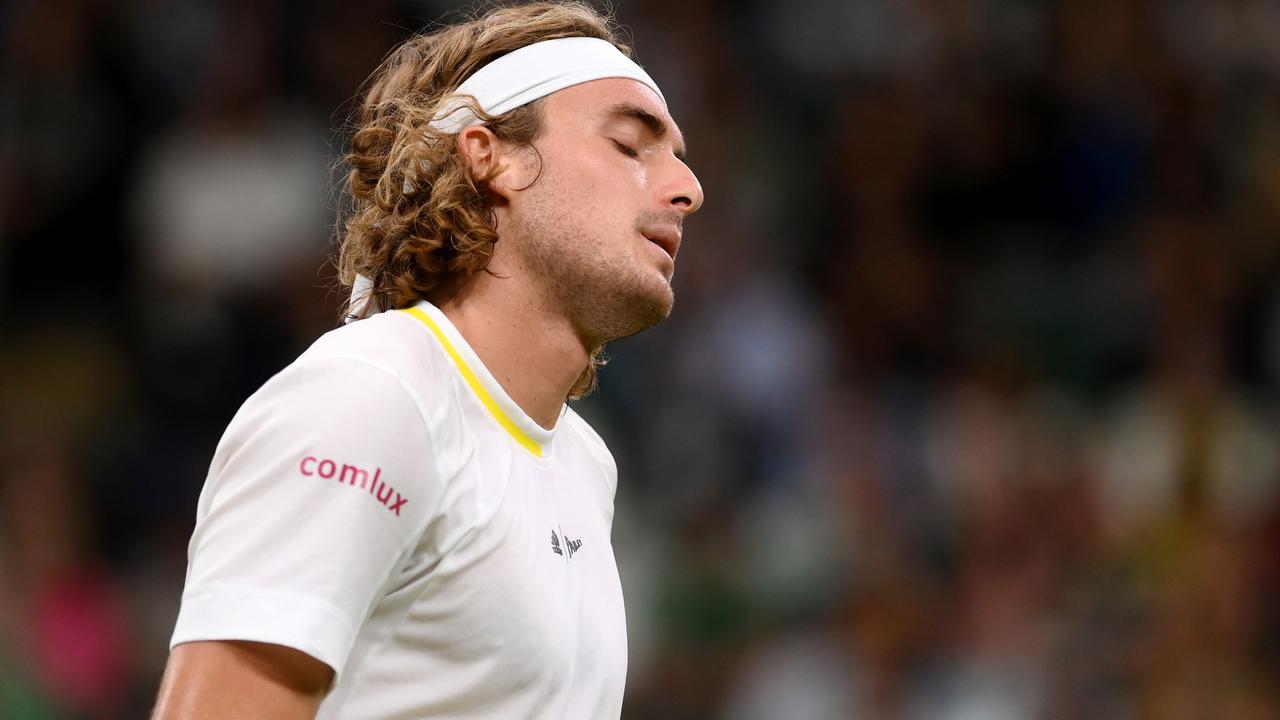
417,224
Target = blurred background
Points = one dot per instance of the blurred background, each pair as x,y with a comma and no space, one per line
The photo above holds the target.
966,411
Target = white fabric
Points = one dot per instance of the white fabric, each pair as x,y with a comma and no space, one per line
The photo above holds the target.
360,291
535,71
516,79
366,508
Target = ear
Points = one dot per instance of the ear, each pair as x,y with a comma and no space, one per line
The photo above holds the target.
489,157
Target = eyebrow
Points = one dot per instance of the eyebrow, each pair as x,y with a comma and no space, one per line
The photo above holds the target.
651,122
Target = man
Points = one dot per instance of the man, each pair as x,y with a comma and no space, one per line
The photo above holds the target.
408,521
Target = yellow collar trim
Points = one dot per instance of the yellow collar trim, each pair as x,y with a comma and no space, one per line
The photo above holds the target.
477,387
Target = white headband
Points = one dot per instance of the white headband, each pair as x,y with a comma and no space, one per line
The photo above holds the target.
516,79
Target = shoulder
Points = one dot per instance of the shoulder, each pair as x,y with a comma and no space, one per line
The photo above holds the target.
594,446
376,383
392,342
588,437
389,353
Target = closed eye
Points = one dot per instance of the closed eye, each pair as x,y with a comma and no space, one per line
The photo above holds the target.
626,149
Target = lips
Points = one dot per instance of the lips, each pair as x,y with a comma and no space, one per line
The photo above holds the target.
667,238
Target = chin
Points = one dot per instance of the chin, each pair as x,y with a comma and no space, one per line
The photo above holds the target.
660,299
629,313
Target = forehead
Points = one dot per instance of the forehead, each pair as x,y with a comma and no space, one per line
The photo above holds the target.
588,103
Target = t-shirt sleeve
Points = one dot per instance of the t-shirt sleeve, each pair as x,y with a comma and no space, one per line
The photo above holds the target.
318,491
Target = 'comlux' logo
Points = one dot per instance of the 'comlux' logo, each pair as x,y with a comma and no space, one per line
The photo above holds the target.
354,476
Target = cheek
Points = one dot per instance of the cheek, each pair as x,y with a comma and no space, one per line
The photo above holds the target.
595,183
640,176
596,190
607,173
617,179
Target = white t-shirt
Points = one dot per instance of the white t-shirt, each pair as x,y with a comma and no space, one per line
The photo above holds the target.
385,507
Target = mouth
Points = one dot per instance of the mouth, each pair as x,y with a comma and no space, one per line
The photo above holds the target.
666,238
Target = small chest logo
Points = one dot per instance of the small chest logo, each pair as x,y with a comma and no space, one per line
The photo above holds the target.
571,546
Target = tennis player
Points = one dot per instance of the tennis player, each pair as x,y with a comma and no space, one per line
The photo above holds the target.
409,521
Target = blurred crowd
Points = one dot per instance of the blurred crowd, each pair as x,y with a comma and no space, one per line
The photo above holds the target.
967,409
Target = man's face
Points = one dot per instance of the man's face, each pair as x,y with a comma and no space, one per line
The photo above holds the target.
599,228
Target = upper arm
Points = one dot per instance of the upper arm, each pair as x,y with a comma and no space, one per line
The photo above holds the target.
233,679
321,486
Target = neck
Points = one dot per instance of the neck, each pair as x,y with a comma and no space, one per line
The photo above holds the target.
533,352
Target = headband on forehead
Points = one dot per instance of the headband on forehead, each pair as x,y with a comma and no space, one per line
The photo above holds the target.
517,79
535,71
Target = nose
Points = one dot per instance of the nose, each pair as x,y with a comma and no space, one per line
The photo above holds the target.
682,190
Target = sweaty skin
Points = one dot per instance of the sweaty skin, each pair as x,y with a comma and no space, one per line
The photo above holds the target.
583,222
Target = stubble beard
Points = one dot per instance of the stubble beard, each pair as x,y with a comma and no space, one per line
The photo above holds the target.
605,295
